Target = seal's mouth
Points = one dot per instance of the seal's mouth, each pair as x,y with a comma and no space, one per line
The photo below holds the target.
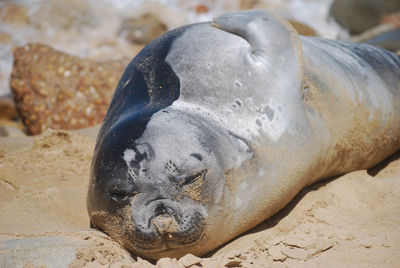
166,229
164,246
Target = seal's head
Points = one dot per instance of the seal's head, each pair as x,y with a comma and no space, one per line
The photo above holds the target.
153,194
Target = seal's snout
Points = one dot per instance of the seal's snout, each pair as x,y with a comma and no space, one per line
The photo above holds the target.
165,221
166,225
170,221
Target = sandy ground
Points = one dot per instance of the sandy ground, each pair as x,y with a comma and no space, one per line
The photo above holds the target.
349,221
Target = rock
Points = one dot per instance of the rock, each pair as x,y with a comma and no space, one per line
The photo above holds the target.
358,16
9,126
248,4
388,40
276,253
303,29
11,131
295,253
75,249
189,260
168,263
64,15
211,263
392,18
233,263
7,108
14,14
49,251
5,38
201,9
386,35
55,90
142,30
242,257
143,263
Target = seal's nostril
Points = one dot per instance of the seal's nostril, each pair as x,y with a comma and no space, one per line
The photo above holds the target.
160,209
163,210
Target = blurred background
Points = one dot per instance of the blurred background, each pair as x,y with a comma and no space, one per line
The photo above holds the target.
61,59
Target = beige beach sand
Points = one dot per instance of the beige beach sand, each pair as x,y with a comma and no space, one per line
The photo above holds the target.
350,221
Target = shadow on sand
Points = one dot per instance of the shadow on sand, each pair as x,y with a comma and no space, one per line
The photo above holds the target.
379,167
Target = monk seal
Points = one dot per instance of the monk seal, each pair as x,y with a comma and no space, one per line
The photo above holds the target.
214,127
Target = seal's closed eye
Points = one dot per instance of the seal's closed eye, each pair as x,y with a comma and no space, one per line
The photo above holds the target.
197,156
122,194
186,180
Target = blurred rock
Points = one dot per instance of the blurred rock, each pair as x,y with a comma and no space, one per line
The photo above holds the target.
11,131
248,4
386,35
55,90
7,108
64,15
303,29
14,14
4,38
388,40
358,16
142,30
392,18
201,9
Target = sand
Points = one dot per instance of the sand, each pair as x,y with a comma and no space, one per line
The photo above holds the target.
349,221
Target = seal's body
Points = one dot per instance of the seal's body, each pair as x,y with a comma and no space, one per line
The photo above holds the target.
214,127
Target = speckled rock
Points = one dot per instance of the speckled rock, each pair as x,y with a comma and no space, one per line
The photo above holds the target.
55,90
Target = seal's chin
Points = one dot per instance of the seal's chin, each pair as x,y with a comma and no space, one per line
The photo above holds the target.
165,233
